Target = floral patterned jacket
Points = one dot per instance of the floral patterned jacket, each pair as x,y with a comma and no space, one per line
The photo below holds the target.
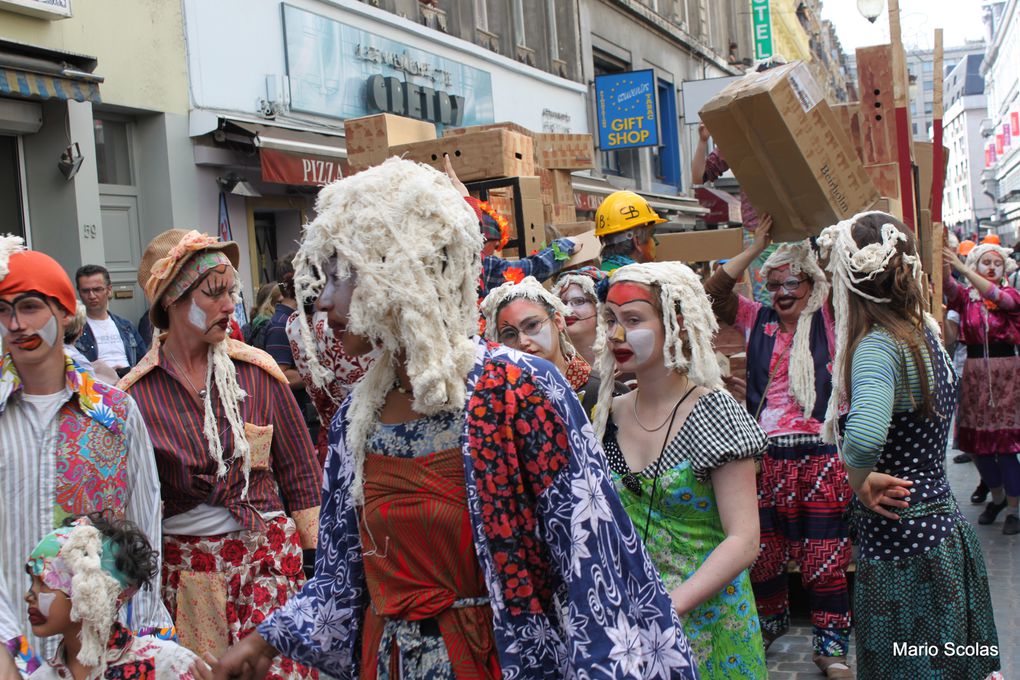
573,592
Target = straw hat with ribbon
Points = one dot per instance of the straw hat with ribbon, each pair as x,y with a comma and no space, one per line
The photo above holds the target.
164,258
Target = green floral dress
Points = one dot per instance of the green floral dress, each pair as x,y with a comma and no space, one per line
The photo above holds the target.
683,528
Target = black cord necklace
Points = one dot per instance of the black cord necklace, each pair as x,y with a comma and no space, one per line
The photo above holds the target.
658,463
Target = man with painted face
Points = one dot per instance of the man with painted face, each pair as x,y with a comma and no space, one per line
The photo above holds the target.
802,488
240,480
68,445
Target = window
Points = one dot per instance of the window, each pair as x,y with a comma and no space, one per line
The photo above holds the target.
519,36
482,15
12,211
668,153
113,151
550,20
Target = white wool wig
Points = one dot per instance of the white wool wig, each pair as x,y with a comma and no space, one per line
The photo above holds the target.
9,244
95,591
680,292
851,266
978,251
801,259
528,289
415,247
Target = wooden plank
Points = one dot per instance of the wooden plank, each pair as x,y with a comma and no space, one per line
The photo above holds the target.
877,112
901,100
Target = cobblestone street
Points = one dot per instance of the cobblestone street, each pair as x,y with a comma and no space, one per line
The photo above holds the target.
790,657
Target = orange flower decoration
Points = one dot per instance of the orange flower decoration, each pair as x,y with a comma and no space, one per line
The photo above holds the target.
514,275
504,224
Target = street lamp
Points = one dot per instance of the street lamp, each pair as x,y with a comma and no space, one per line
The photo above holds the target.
870,9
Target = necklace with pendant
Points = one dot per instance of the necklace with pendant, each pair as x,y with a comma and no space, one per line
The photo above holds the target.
184,374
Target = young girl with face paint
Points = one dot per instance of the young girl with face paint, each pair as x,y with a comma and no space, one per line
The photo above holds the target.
239,476
681,451
527,317
989,420
82,573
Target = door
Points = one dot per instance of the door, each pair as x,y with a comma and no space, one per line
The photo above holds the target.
123,248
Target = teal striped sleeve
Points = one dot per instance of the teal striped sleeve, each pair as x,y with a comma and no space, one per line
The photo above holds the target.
877,362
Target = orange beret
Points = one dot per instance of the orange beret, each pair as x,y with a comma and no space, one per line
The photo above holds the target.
32,270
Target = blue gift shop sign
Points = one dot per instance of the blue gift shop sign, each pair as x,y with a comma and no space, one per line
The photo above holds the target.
626,110
344,72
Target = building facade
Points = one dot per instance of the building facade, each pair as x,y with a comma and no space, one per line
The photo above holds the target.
1001,70
965,204
94,147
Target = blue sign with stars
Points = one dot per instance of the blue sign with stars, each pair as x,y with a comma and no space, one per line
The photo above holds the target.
626,112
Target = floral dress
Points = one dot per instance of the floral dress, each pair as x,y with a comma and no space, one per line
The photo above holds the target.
683,528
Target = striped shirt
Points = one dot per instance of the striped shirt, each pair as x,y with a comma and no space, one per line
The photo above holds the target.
285,475
32,457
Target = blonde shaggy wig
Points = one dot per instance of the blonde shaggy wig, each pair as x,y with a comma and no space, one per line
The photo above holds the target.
415,246
528,289
801,259
680,292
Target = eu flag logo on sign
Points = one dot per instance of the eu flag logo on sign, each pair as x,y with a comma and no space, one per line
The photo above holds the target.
626,110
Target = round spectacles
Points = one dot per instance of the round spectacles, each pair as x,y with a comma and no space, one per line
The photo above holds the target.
789,285
578,302
28,309
511,336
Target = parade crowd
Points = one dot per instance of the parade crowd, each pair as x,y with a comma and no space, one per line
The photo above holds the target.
420,460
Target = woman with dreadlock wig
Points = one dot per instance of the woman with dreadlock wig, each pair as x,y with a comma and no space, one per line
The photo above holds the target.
240,482
989,419
576,289
687,477
468,528
896,384
527,317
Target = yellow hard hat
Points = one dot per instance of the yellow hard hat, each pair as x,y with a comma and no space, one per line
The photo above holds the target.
623,210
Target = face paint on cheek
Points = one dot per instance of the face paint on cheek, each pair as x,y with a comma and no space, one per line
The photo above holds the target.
543,339
45,601
196,317
48,332
642,343
4,330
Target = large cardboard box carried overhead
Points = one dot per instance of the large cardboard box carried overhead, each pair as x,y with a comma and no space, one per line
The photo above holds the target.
369,138
699,246
789,151
486,154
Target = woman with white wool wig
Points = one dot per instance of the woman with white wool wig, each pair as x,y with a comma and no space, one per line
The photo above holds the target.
465,498
527,317
989,419
895,383
681,451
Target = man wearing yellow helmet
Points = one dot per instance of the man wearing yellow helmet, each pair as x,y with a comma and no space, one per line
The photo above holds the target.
625,224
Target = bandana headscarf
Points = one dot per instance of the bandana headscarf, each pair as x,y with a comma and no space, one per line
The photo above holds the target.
80,562
801,259
192,271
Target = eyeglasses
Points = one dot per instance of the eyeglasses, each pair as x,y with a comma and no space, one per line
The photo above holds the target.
578,302
789,285
91,291
28,308
511,336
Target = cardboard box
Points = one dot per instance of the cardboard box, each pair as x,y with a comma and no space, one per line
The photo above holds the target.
562,186
924,156
563,212
512,127
568,229
564,151
886,178
850,117
789,151
878,109
369,138
486,154
589,247
699,246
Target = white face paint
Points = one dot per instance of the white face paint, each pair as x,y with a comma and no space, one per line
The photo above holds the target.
991,266
48,332
543,340
196,317
642,343
45,602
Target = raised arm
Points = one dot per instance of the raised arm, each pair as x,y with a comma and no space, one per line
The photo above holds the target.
700,152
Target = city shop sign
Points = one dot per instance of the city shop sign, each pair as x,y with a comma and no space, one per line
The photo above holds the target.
626,110
392,95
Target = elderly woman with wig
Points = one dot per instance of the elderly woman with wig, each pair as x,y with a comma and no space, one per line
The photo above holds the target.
468,527
989,419
921,579
681,451
240,482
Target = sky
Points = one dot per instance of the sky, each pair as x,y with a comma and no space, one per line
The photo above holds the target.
959,19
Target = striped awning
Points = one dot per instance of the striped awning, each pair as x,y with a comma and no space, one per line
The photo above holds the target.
18,83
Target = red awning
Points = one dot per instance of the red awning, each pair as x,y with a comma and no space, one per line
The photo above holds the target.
289,167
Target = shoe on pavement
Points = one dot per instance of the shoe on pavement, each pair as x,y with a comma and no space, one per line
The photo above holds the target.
990,512
962,458
1011,525
980,494
834,666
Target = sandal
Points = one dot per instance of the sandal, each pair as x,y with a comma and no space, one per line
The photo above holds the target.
833,666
